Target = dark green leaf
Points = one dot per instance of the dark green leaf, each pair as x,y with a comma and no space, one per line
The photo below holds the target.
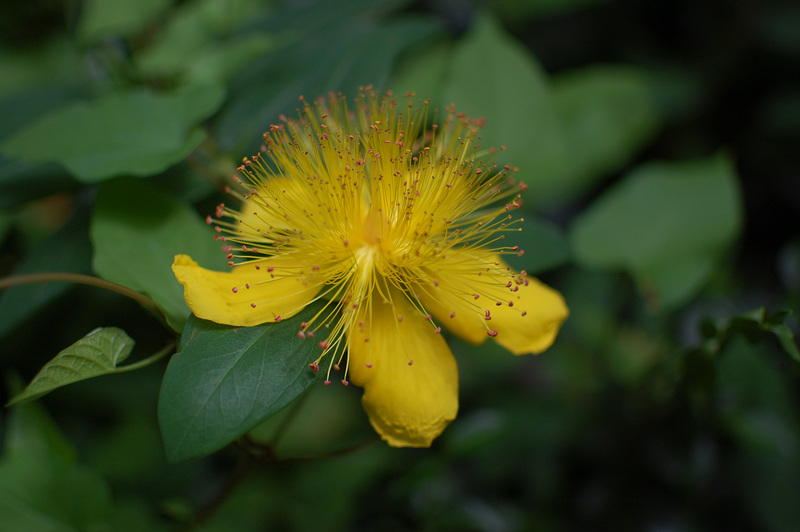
137,230
225,381
136,132
342,58
494,77
97,353
666,223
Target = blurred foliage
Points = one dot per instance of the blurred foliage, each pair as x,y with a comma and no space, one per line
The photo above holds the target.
658,142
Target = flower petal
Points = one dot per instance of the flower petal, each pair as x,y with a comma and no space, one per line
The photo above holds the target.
527,318
228,297
408,373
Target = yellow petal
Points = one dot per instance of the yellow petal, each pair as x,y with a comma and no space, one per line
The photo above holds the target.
411,388
529,326
224,297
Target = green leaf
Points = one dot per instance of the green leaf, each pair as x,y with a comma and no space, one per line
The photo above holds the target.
136,132
754,325
609,113
494,77
226,380
336,57
666,223
110,18
97,353
137,230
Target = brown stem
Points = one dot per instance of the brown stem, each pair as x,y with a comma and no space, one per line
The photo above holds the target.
51,277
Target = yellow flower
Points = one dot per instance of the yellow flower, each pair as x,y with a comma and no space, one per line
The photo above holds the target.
400,228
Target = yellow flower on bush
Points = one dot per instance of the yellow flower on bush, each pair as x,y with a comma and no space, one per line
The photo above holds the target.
399,225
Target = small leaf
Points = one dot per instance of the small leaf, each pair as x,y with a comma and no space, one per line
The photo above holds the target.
226,380
137,230
666,223
97,353
136,132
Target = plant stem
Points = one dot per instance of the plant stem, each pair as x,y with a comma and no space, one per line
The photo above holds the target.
51,277
149,360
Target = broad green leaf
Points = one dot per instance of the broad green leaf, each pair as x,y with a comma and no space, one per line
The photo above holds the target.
666,223
137,230
224,381
492,76
136,132
343,57
608,113
97,353
117,18
68,250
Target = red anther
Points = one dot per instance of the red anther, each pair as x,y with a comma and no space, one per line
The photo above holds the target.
209,220
476,296
258,267
326,383
435,283
234,289
399,317
368,365
323,344
453,314
270,268
230,264
314,367
247,285
310,334
510,303
498,303
410,362
301,334
253,305
278,318
523,187
508,285
345,383
492,333
524,312
336,367
525,282
437,330
303,325
508,207
428,317
516,288
514,248
521,253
